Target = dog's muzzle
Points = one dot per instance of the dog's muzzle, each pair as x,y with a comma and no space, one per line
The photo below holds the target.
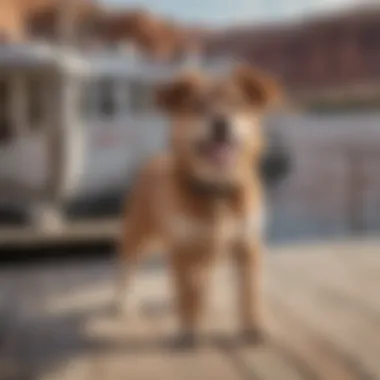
220,130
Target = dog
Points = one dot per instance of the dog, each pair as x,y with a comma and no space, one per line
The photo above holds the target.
201,198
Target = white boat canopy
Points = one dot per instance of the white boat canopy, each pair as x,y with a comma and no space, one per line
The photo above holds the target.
103,62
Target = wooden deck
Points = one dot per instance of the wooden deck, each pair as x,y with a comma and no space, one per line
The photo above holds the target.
323,322
76,232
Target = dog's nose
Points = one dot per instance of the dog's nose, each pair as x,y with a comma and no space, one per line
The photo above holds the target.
220,129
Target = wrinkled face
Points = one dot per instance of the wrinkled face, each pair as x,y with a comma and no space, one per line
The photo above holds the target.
216,122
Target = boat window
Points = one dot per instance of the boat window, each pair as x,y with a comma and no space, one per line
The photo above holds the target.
139,96
6,131
86,98
107,98
35,103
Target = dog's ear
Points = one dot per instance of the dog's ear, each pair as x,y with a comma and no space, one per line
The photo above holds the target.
179,94
259,89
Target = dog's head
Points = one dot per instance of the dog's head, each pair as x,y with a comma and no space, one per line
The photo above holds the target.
215,123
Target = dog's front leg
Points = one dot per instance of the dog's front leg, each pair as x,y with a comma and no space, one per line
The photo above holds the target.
248,264
190,270
130,251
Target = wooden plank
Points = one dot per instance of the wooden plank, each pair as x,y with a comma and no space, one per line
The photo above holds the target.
8,339
74,232
364,263
80,367
292,352
127,349
267,361
130,348
317,328
347,278
13,363
346,330
146,344
271,362
53,344
313,353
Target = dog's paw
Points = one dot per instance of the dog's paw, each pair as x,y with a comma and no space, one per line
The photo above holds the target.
185,341
254,336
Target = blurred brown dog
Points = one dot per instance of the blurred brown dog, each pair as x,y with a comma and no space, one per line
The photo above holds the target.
202,198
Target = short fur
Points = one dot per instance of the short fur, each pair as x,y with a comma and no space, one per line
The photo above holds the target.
202,202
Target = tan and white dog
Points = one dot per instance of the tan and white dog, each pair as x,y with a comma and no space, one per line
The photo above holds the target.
203,198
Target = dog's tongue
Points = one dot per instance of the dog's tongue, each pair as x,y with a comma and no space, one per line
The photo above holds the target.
220,153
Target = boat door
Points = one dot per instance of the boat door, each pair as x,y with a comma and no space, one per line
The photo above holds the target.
25,115
118,116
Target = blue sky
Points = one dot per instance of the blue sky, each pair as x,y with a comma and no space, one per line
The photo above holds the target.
222,12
